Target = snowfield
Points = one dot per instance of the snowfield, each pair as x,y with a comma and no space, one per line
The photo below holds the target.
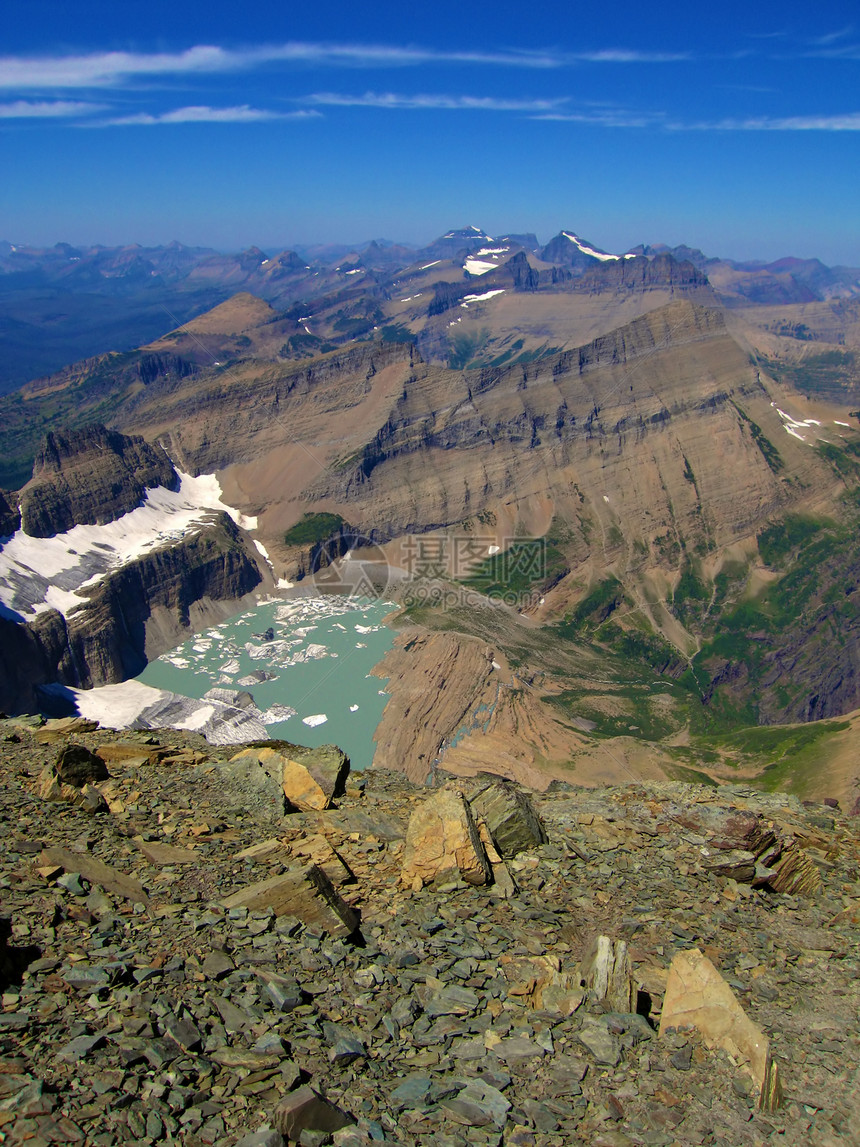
49,573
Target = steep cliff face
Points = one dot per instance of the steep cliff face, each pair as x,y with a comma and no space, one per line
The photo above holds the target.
10,515
133,614
90,477
609,432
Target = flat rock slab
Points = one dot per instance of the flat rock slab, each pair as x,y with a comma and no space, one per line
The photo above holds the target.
95,872
306,893
157,853
304,1110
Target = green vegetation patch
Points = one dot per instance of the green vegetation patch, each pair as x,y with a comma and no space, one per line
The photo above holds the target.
778,540
313,528
532,565
832,373
397,333
843,459
597,605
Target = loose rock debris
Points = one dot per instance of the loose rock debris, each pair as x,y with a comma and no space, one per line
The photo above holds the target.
150,994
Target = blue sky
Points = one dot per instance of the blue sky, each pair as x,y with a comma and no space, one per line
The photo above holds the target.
735,128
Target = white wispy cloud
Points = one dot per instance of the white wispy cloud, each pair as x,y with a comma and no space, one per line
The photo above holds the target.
843,121
107,69
47,109
833,37
205,114
609,117
433,102
626,56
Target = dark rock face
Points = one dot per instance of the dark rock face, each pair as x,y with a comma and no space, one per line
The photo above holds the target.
10,516
641,273
90,476
108,641
77,765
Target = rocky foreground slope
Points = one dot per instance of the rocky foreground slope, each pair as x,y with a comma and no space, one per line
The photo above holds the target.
188,963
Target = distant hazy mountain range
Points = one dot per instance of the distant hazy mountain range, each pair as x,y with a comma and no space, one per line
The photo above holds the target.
64,303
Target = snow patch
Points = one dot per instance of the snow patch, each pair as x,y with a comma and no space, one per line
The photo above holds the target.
481,298
477,267
586,250
793,426
48,573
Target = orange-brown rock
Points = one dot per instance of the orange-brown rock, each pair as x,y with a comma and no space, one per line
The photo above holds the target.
442,841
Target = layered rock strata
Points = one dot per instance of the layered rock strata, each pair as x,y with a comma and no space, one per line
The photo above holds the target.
90,477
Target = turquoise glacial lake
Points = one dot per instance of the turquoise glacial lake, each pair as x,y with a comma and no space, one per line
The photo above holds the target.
309,677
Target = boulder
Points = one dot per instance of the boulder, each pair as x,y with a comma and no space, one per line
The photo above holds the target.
795,874
510,816
305,1110
306,893
77,766
442,841
314,778
697,996
260,769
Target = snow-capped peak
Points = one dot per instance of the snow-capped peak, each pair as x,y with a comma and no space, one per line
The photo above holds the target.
586,250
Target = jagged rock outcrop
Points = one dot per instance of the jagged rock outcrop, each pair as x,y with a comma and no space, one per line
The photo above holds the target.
89,477
642,274
10,514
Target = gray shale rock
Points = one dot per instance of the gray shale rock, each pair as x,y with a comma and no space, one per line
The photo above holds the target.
511,817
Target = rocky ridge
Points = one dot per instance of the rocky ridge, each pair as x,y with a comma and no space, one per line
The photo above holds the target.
145,1001
89,477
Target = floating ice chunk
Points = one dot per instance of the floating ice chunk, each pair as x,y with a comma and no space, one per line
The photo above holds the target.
353,708
197,719
277,713
231,666
316,719
494,550
365,628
